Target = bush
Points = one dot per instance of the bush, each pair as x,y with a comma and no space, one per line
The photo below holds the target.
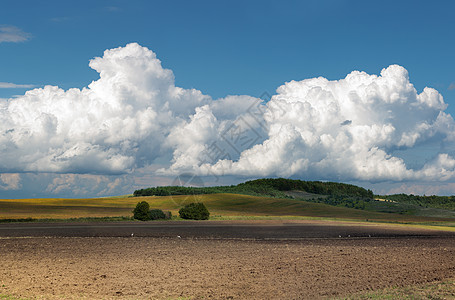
194,211
142,211
156,214
168,215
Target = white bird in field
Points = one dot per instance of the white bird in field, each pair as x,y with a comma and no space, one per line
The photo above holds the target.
179,237
132,234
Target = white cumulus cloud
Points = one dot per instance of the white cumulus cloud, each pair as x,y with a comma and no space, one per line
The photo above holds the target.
119,122
347,130
134,117
10,182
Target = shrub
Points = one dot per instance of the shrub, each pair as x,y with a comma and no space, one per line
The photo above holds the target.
156,214
168,215
194,211
142,211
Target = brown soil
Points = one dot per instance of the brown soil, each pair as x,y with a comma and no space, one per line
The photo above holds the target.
169,268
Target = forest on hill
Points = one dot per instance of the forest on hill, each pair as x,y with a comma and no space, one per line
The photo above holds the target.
441,202
271,187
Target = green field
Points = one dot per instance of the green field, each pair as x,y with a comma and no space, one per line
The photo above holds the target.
436,290
221,206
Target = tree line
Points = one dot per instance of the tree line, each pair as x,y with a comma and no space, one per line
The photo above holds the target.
270,187
314,187
443,202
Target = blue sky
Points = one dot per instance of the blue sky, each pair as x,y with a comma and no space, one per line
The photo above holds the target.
235,47
226,48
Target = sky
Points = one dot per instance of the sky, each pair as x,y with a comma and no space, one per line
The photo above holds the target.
100,98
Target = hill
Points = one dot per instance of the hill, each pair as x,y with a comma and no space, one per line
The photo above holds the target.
272,187
330,193
440,202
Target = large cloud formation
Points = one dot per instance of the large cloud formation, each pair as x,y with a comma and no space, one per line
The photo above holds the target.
344,130
134,116
117,123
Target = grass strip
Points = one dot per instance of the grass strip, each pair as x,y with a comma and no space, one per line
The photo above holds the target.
434,290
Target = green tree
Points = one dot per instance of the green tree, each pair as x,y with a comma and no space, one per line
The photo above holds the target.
194,211
142,211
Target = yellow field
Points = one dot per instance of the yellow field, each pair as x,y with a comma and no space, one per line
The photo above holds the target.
66,208
220,206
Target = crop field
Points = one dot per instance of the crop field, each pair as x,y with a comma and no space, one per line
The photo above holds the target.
221,206
50,208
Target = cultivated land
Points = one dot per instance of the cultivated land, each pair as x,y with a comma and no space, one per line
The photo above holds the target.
252,248
187,268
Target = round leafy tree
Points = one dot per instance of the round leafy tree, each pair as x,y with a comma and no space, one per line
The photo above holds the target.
194,211
142,211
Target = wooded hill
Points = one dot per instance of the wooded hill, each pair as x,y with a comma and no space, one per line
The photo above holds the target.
331,193
272,187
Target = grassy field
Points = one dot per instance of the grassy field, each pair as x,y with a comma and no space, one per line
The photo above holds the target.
221,206
435,290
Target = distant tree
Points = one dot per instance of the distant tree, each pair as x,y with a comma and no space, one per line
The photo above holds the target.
142,211
194,211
